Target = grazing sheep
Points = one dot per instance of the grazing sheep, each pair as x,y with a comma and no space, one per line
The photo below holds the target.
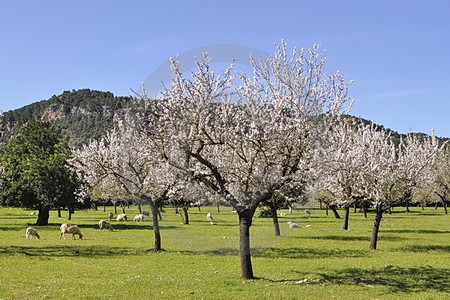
283,214
32,213
30,232
110,216
307,226
308,213
71,229
146,213
293,225
234,212
103,224
122,217
210,219
139,217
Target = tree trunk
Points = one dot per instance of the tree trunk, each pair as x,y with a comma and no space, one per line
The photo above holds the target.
139,207
218,207
376,228
444,202
320,205
334,210
346,216
355,207
407,206
326,210
71,212
115,208
104,207
156,228
185,215
43,216
364,207
59,212
245,221
276,225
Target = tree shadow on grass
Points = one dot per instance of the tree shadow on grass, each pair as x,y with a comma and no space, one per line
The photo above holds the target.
424,231
335,238
131,226
12,228
397,279
349,238
290,253
426,248
63,251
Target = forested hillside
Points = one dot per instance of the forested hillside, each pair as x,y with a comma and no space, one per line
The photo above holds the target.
88,114
79,114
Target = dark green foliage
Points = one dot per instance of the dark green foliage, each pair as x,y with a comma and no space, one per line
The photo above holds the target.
80,115
265,213
34,169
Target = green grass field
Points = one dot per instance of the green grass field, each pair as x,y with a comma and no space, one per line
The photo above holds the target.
200,260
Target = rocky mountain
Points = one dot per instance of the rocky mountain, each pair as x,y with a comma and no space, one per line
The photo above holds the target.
79,114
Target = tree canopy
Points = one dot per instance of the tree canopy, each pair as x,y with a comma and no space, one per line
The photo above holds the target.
35,172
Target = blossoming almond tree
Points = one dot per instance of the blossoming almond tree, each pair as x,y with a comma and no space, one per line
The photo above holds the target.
394,171
363,162
345,161
441,178
246,141
126,159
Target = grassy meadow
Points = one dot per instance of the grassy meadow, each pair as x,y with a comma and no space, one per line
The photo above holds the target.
200,260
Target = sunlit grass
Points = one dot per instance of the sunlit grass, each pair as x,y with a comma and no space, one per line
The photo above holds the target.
200,260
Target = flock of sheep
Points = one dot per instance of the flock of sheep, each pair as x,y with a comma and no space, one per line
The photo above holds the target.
103,224
65,228
31,232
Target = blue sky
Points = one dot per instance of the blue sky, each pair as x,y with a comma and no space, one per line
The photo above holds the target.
397,52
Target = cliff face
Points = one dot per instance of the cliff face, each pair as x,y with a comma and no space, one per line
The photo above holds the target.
55,112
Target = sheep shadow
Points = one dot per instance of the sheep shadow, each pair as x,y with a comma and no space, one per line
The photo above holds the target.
70,251
396,279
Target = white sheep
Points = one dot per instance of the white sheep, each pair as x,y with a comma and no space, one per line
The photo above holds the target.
103,224
307,212
293,225
283,214
146,213
210,218
71,229
110,216
32,213
122,217
139,217
30,232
